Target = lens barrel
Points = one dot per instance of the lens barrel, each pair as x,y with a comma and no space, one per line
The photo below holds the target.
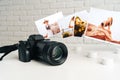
54,53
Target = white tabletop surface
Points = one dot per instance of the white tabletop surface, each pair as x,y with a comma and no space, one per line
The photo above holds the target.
76,67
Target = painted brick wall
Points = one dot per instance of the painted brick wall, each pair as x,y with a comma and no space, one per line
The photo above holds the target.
17,17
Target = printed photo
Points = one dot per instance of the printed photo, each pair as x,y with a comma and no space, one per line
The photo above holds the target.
103,25
49,26
80,23
80,27
67,26
74,25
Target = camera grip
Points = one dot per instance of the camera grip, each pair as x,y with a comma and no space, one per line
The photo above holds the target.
24,54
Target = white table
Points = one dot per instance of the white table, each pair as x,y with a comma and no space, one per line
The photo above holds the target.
77,67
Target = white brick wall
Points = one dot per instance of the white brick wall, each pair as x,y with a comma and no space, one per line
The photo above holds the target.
17,17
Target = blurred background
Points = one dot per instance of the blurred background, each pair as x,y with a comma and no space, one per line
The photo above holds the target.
17,18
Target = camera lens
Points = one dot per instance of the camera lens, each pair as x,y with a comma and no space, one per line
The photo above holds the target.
57,53
54,53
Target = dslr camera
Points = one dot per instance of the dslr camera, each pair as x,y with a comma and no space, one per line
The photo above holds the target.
40,49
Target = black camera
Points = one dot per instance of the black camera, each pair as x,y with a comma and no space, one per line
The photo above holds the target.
38,48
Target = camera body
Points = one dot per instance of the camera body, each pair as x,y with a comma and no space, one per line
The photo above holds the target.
38,48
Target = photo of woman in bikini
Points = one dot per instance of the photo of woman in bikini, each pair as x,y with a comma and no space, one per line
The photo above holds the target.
102,31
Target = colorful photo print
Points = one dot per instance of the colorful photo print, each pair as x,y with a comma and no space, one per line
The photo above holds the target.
49,26
79,27
80,23
104,26
74,25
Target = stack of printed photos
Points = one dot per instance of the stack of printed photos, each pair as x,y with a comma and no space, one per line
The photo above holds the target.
98,24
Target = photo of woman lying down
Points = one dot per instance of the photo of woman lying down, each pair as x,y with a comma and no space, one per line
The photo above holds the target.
102,31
